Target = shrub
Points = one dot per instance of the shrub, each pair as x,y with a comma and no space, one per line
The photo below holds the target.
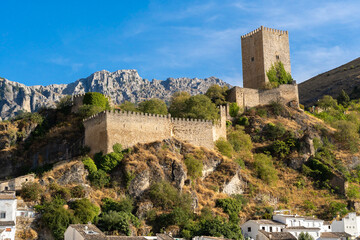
239,140
353,191
232,206
84,210
58,191
308,206
64,103
201,107
264,168
111,221
194,166
343,98
99,179
164,195
243,121
128,106
278,109
154,106
273,132
96,99
234,109
319,171
334,209
262,112
89,164
110,161
77,191
224,147
124,205
347,133
117,148
86,111
31,191
327,102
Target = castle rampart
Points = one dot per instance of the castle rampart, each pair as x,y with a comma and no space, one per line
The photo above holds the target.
105,129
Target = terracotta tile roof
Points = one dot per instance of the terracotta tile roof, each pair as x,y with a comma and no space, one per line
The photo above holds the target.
7,223
334,235
278,235
161,236
7,195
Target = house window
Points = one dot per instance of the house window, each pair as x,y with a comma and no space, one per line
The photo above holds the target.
263,228
249,229
329,227
8,229
270,229
3,215
252,59
277,57
6,188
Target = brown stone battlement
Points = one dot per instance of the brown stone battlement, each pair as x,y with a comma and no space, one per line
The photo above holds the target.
106,128
262,28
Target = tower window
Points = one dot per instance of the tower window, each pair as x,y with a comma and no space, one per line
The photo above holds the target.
277,57
3,215
252,59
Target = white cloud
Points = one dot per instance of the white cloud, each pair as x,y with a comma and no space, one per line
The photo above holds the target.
61,61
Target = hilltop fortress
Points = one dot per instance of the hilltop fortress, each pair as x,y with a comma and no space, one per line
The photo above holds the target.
260,49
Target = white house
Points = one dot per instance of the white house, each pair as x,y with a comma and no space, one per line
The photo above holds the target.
250,229
298,221
8,204
349,224
295,231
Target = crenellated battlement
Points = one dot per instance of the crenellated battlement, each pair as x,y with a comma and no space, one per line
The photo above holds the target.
262,28
106,128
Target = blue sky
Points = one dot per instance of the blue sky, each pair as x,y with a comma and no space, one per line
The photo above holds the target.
45,42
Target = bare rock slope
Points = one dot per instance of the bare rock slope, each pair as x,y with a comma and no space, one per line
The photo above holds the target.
120,86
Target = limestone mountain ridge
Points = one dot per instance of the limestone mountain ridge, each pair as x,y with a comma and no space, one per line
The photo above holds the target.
120,86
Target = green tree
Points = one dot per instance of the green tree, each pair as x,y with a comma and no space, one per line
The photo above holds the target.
96,99
353,191
343,99
201,107
234,109
128,106
115,221
239,140
265,169
154,106
305,236
177,106
124,205
99,178
217,94
86,111
277,75
348,134
327,102
84,210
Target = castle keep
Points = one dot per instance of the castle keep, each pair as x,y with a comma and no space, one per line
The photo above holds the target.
260,49
105,129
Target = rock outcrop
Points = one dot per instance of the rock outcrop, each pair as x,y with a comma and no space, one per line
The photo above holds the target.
122,85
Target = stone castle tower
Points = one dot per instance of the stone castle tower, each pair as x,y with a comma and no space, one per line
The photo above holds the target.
260,49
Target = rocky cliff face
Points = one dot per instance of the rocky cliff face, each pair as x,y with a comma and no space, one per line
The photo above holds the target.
122,85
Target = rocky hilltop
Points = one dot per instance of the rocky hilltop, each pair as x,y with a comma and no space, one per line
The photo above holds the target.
122,85
345,77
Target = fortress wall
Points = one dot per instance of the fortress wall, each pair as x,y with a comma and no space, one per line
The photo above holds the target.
284,94
77,102
95,133
130,128
251,97
195,131
219,128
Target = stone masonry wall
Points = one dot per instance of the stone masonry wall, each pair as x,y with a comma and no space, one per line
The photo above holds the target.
129,128
102,131
247,98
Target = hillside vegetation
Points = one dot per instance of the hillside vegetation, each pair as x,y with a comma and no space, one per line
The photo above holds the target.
275,157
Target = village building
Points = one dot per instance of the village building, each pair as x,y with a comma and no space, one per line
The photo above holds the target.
334,236
349,224
296,231
251,228
8,204
15,184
